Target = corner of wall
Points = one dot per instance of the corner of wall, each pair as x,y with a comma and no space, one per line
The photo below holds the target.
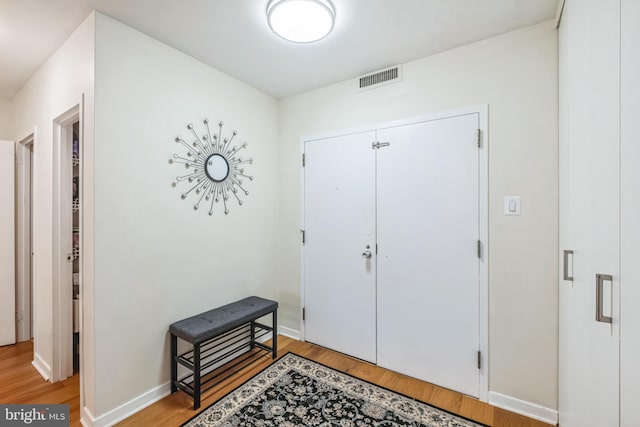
41,366
6,133
522,407
127,409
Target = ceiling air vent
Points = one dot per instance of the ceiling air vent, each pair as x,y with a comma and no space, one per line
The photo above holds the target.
380,78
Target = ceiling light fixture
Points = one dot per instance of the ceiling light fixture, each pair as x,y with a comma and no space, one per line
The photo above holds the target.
301,21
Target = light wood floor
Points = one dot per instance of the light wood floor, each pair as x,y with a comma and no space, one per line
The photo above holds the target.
20,383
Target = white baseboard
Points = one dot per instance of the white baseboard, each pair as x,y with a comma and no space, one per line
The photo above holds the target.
87,419
41,366
522,407
126,409
288,332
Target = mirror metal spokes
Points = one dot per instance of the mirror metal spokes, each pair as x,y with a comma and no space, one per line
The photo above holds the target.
215,171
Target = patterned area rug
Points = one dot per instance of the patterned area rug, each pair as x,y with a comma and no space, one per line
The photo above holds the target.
295,391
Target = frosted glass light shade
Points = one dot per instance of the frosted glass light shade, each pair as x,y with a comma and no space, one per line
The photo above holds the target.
301,21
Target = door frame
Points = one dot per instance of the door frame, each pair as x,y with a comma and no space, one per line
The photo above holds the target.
8,251
482,111
62,303
24,238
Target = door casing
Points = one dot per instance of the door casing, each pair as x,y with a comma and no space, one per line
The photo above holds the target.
24,242
62,285
7,248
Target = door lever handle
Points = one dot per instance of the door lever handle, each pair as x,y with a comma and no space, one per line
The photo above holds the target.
367,253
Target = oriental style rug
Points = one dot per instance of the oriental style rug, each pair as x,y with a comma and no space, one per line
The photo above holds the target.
295,391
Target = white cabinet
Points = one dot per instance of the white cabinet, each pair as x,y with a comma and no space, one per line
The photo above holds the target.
630,214
597,202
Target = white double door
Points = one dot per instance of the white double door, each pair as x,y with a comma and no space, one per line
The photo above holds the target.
391,267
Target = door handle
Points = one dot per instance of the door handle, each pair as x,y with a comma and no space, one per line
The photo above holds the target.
600,278
367,253
566,266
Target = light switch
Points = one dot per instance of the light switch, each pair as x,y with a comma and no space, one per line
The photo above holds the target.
512,205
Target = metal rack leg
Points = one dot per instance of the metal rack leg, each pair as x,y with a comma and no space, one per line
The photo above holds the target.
174,364
196,376
253,335
274,341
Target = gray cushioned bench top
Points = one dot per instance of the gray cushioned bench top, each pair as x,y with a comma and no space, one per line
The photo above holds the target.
212,323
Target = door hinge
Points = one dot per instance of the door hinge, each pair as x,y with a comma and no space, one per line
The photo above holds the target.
479,138
304,314
376,144
303,160
479,249
304,236
376,249
479,359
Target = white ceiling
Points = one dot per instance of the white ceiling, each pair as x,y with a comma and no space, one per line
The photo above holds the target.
233,36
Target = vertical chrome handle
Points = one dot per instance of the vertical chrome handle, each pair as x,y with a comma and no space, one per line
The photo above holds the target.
566,265
600,278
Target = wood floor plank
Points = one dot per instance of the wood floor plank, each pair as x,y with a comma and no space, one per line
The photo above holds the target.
21,383
479,411
176,409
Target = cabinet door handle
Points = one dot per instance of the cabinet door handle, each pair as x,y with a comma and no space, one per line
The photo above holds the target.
566,265
600,278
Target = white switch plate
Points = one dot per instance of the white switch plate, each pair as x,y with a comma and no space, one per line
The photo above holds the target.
511,205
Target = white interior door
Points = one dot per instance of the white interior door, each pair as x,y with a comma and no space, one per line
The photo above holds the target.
339,223
7,244
428,265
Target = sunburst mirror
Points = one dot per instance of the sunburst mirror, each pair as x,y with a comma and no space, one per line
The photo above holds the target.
215,169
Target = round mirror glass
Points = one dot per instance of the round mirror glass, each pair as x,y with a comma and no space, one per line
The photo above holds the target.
217,167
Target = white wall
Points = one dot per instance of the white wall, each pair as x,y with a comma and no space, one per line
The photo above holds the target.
516,74
5,119
54,89
157,260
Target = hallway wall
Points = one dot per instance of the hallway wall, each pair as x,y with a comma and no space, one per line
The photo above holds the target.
158,260
53,90
516,74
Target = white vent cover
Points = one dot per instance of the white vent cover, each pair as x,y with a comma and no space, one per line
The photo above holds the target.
380,78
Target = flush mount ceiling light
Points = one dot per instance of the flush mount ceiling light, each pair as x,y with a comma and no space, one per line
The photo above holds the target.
301,21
